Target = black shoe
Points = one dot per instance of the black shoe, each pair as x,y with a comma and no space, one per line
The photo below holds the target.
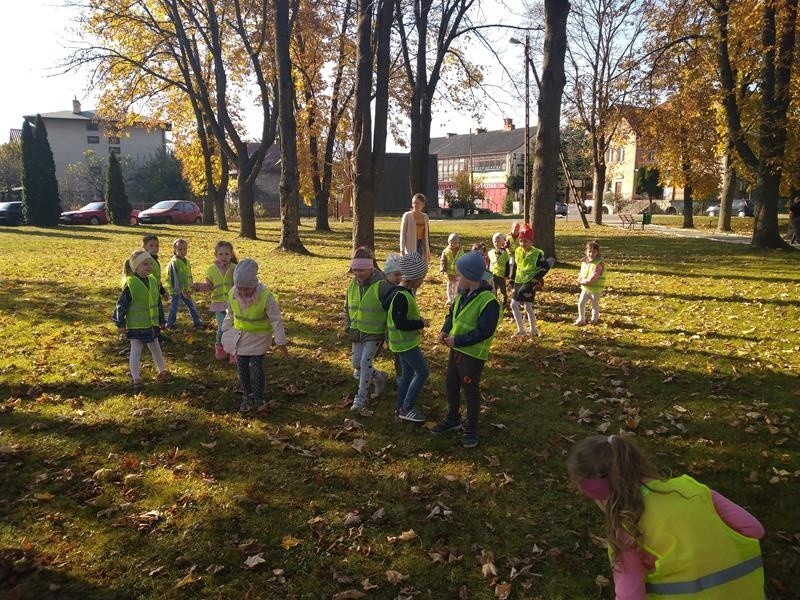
446,425
469,439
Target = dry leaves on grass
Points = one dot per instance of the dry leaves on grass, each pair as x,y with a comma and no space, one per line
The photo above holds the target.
488,567
290,542
349,595
395,577
406,536
253,561
502,591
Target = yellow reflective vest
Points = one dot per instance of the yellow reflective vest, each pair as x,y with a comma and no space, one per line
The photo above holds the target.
366,312
587,270
143,310
697,555
449,259
527,263
498,259
466,320
222,283
184,271
254,319
401,340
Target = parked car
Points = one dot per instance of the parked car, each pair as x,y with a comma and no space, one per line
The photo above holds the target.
561,209
10,213
93,213
740,208
172,211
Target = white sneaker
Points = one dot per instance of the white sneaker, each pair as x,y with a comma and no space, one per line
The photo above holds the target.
579,322
358,404
356,374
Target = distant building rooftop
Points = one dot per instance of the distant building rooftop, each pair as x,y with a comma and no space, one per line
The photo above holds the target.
76,114
501,141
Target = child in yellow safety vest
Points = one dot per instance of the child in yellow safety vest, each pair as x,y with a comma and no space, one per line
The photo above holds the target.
252,321
151,246
139,314
468,331
179,284
592,278
498,265
403,326
365,323
447,264
219,281
667,538
531,267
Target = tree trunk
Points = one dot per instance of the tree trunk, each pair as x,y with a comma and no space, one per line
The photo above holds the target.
728,188
598,190
290,179
247,216
688,208
548,135
765,228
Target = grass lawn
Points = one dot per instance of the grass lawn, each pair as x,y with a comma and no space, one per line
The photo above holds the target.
170,493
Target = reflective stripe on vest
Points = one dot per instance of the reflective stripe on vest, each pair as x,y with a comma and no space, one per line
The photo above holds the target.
527,263
587,269
143,310
696,552
498,259
450,259
401,340
184,271
156,269
466,320
707,581
222,284
366,312
254,319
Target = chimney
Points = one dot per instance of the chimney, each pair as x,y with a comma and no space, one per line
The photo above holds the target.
480,130
508,124
76,106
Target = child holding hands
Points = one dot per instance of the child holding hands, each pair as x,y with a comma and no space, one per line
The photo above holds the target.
468,331
592,278
403,328
138,314
179,284
219,281
252,320
667,538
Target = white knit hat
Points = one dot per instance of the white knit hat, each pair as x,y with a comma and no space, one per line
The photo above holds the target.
412,266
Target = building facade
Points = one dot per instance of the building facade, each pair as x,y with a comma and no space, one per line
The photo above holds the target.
490,157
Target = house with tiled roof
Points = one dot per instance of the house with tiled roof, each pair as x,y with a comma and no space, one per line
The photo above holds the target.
491,157
72,132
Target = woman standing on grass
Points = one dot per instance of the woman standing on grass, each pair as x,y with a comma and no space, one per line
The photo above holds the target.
415,229
667,538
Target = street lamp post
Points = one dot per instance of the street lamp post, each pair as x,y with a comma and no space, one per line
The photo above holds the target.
526,184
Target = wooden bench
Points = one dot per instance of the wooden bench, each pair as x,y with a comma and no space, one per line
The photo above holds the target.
629,221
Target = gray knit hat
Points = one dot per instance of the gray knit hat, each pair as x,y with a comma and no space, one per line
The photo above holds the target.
245,274
412,266
471,265
392,264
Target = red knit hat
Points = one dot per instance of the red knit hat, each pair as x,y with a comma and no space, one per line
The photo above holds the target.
526,232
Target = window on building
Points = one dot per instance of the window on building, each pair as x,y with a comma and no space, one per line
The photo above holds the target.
114,141
113,150
92,126
92,139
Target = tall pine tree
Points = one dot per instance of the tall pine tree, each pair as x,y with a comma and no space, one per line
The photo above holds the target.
117,205
30,192
48,204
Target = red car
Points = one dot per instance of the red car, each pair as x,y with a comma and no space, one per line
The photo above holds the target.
93,213
172,211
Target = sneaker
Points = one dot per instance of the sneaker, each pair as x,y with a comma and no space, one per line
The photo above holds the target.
137,385
232,359
469,439
579,322
219,353
358,404
261,407
594,321
412,415
446,425
380,380
164,376
245,406
518,334
534,333
356,374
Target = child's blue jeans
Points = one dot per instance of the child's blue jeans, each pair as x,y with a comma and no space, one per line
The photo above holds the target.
413,376
251,377
173,310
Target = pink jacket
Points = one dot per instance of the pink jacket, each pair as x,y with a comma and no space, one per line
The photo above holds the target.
248,343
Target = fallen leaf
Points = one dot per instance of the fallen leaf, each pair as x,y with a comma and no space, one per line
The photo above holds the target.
502,591
255,560
209,445
44,496
367,585
352,519
214,569
395,577
289,542
358,444
349,595
377,515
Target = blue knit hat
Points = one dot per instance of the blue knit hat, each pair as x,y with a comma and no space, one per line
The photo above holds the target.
392,264
471,265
